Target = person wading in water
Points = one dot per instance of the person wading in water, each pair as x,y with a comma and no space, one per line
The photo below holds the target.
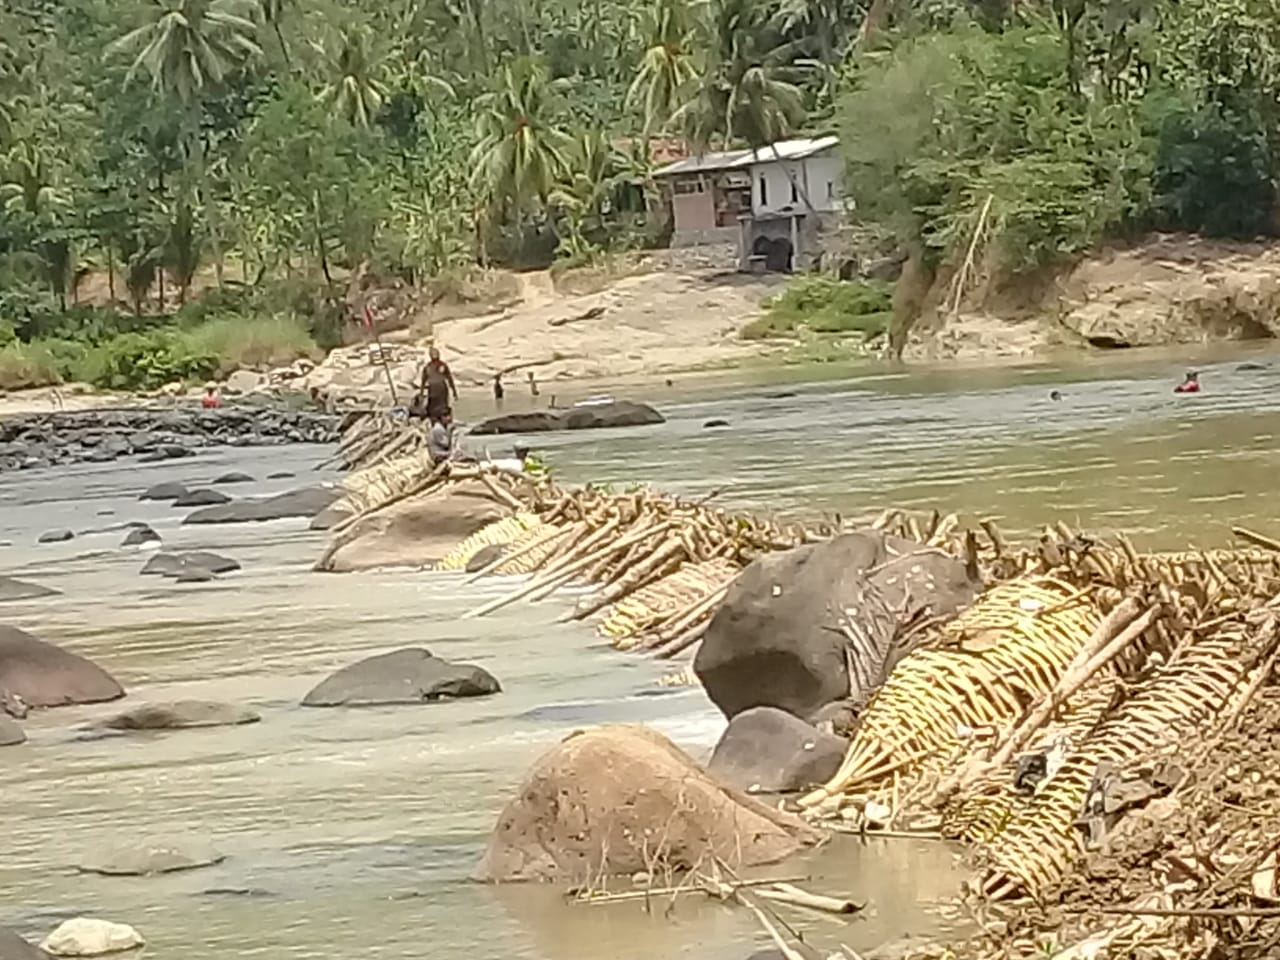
1190,385
437,385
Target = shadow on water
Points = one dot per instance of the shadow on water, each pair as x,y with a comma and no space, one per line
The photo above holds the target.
353,832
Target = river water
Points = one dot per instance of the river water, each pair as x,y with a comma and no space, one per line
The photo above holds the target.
352,832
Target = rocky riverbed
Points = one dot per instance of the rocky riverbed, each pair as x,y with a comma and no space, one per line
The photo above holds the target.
34,440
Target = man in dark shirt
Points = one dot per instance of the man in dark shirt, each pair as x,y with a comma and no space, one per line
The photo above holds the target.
437,385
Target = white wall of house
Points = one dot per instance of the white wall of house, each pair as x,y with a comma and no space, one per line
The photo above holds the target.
773,190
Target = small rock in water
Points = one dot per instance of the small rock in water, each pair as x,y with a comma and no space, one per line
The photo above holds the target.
55,536
485,556
181,715
711,424
202,498
13,589
86,937
163,856
164,491
11,734
407,676
234,477
280,475
213,562
140,535
14,947
194,575
164,565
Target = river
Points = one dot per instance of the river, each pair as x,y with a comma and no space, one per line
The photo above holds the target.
352,832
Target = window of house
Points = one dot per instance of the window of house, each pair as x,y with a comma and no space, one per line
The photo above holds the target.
831,190
764,191
795,197
689,185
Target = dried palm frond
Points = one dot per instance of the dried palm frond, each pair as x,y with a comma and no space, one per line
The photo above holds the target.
505,532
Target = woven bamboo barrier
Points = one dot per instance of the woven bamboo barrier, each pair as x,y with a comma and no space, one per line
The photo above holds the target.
1030,630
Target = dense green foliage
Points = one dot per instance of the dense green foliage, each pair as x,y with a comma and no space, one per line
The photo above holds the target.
1018,139
166,165
162,148
819,304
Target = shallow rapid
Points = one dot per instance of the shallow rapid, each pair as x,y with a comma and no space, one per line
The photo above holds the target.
353,830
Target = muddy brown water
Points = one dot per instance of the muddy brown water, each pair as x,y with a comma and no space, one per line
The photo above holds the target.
352,832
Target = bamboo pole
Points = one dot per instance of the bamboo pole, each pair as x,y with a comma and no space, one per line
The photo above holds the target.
584,562
555,533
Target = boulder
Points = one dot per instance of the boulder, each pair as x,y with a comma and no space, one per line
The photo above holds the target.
485,556
416,532
169,490
140,535
406,676
767,750
304,502
233,477
11,735
14,589
244,381
85,937
192,574
805,627
622,799
181,715
14,947
194,562
55,536
47,676
280,475
201,498
620,413
213,562
148,858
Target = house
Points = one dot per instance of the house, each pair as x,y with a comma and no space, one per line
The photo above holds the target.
774,202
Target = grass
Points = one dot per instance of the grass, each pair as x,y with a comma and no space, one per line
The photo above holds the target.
146,360
27,365
822,305
240,342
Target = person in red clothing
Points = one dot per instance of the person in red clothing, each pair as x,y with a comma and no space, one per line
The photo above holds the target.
1190,385
436,385
211,400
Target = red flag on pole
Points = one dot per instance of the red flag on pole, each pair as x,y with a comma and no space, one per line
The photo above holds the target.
368,317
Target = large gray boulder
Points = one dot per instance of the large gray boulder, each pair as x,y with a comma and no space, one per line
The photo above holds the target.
405,676
11,734
802,628
304,502
14,589
14,947
47,676
767,750
620,413
620,799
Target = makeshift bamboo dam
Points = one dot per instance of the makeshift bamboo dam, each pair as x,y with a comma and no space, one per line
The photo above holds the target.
1088,672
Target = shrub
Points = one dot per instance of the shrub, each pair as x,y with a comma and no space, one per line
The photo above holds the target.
822,304
243,342
24,365
137,361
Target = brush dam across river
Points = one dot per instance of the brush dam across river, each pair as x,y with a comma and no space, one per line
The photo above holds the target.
351,832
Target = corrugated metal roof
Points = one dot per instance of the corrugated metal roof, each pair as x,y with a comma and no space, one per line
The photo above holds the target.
731,159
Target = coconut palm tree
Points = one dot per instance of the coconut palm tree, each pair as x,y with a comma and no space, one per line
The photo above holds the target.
191,45
355,92
744,90
520,151
667,64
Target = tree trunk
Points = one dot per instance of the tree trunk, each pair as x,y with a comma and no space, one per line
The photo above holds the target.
111,274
